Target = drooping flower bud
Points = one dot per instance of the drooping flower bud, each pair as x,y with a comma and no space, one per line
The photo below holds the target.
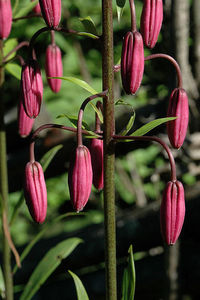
5,18
96,150
37,9
80,177
32,88
35,191
172,212
132,62
151,21
178,107
25,123
53,67
51,12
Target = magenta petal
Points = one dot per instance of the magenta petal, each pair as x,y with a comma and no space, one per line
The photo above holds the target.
35,191
5,18
51,11
80,178
96,150
25,123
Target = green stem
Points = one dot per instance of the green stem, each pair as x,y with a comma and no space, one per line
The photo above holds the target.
109,151
4,189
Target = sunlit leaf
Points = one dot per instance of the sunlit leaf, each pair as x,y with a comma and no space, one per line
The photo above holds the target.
2,284
128,282
122,102
48,156
80,290
151,125
8,46
80,83
74,121
99,113
14,70
87,34
23,11
89,25
47,265
129,125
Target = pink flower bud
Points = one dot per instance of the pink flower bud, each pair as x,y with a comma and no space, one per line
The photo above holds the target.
132,62
172,212
80,177
5,18
32,88
25,123
37,9
178,107
35,191
51,11
151,21
96,150
53,67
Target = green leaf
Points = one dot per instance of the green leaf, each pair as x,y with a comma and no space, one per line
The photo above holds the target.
48,156
87,34
74,121
122,102
89,25
99,113
38,236
23,11
80,290
9,45
80,83
151,125
120,8
47,265
129,125
2,284
128,282
14,70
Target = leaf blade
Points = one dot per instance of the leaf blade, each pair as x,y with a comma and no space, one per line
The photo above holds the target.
129,277
79,82
80,290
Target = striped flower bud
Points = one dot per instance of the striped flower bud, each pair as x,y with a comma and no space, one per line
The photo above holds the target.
151,21
32,88
25,123
37,9
35,191
51,12
132,62
178,107
96,150
5,18
172,212
80,177
53,67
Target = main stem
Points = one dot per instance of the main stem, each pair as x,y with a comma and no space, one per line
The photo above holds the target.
4,189
109,151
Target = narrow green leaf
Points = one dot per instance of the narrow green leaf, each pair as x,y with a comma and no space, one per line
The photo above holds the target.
48,156
120,8
2,284
47,265
87,34
128,282
129,125
14,70
99,113
122,102
74,121
80,83
9,45
38,236
151,125
80,290
23,11
89,25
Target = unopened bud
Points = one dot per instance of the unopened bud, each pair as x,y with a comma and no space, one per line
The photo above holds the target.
96,150
80,177
32,88
37,9
151,21
5,18
25,123
35,191
51,12
172,212
53,67
178,107
132,62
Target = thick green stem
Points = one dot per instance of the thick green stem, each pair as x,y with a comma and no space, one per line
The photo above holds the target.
109,151
4,190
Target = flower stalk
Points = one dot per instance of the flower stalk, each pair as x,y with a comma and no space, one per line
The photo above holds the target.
109,151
